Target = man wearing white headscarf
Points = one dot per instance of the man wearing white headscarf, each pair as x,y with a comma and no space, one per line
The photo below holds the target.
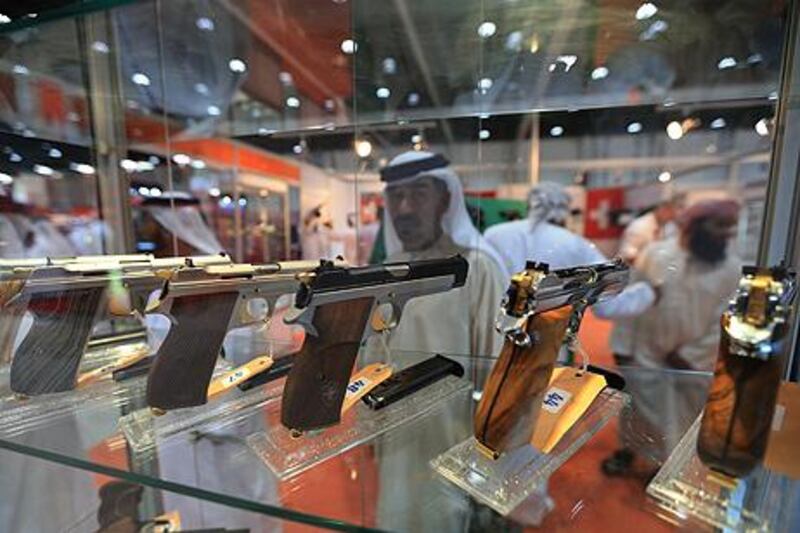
426,218
544,239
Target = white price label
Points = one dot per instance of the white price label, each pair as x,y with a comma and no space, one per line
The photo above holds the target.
357,386
555,399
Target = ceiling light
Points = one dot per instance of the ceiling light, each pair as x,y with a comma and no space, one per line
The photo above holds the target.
43,170
155,191
664,177
484,84
140,78
363,148
242,202
484,134
213,110
144,166
755,59
22,70
198,164
534,44
154,159
600,73
293,102
674,130
348,46
100,47
514,41
557,131
487,29
383,92
285,77
718,123
55,153
330,105
653,30
237,65
773,95
144,191
128,165
297,149
762,127
205,24
569,61
181,159
214,191
5,179
14,157
226,200
4,19
413,99
82,168
389,65
201,88
726,62
646,10
416,138
634,127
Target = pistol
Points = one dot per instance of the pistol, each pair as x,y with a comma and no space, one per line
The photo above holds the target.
66,297
741,401
339,308
541,311
202,305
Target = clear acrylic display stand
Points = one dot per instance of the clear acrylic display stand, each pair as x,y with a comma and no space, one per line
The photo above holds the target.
686,488
516,484
143,429
19,415
288,455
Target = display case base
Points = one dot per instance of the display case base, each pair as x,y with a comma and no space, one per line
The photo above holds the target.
688,490
144,430
288,455
516,483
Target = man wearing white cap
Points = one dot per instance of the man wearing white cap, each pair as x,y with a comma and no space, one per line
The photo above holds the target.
543,238
426,218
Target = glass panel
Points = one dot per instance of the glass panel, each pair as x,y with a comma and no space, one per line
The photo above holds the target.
191,127
63,498
386,483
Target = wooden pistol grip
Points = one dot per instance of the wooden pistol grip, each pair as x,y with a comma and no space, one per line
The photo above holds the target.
738,414
182,369
316,385
48,357
513,393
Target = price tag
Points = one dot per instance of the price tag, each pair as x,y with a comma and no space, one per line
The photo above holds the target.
569,396
364,381
230,379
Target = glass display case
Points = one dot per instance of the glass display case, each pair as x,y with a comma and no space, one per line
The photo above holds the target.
292,149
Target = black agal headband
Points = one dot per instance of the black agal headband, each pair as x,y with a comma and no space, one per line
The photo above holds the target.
412,168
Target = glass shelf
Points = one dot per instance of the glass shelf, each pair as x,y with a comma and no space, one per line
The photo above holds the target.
385,483
686,488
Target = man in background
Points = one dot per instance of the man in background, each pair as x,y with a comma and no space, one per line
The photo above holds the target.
694,275
543,238
426,218
654,225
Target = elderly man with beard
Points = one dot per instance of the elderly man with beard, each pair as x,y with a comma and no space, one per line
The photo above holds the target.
694,275
425,218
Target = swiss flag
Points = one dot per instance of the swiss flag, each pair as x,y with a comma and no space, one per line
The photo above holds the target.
602,207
